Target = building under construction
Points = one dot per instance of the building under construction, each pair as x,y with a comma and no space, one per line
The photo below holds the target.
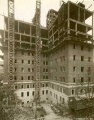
66,55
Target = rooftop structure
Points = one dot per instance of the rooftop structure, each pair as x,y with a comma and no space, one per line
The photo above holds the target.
51,16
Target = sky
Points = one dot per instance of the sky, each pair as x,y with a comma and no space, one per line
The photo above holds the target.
25,9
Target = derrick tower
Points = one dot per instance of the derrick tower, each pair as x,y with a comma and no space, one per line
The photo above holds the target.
11,41
37,52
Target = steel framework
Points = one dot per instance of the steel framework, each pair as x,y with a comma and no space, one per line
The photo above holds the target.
10,41
37,52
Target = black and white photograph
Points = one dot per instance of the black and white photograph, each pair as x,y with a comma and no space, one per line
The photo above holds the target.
46,60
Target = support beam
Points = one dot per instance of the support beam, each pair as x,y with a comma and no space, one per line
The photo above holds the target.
78,13
93,25
76,27
68,13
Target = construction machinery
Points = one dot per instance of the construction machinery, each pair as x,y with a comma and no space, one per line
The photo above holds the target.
37,53
11,49
11,45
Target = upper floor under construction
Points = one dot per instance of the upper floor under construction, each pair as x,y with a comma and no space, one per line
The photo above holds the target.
69,20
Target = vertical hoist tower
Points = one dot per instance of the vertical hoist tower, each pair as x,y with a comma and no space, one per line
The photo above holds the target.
37,52
10,41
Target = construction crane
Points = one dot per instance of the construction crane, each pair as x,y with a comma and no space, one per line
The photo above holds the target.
37,53
10,41
37,57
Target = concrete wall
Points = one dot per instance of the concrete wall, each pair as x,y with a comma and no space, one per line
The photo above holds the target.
78,63
59,65
31,89
70,85
22,70
57,61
